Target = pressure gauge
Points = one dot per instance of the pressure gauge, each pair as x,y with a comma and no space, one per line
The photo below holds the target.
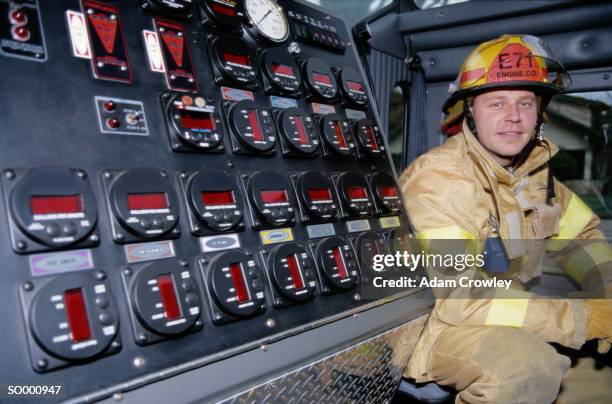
268,19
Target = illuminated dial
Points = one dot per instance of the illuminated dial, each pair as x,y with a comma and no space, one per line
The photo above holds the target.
268,19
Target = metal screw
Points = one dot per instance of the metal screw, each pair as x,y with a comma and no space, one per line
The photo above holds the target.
22,245
28,286
606,76
264,348
204,261
9,174
108,175
270,323
357,296
94,238
142,337
176,230
218,317
100,275
198,323
42,363
127,271
139,361
120,236
584,45
163,173
183,174
81,174
196,228
229,163
119,396
183,263
116,344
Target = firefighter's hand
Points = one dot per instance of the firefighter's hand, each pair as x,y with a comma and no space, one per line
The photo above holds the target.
604,345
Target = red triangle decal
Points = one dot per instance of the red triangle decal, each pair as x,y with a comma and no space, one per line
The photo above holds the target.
106,28
175,43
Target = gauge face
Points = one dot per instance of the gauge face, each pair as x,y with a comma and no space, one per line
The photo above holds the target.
399,240
175,7
234,59
74,317
236,284
292,272
319,79
223,12
252,127
281,71
298,131
144,203
194,123
387,194
165,298
271,198
355,195
370,139
316,192
214,199
352,87
337,135
368,245
337,262
54,206
268,19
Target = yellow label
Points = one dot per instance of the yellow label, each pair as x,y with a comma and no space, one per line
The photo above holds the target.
386,222
276,236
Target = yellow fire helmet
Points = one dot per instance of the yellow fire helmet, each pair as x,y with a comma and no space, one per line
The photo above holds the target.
522,61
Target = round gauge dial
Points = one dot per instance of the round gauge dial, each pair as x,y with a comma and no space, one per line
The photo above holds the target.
281,71
369,138
214,199
252,126
54,206
367,245
298,130
144,203
236,283
316,192
352,87
271,197
336,133
234,59
319,79
180,8
268,19
355,195
74,317
337,262
399,240
195,123
292,272
386,193
222,12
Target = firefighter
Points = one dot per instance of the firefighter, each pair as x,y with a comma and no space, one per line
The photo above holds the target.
490,185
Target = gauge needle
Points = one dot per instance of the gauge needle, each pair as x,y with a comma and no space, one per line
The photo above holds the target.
264,17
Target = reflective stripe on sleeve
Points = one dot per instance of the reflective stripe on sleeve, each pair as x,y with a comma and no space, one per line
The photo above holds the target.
575,218
586,258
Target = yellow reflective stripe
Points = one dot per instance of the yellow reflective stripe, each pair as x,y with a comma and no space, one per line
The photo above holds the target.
586,258
575,218
507,312
446,233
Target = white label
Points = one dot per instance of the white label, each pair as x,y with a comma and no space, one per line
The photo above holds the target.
78,35
154,53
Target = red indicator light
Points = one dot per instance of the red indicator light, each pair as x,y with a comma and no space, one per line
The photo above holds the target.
147,201
321,78
197,120
319,194
237,59
371,138
356,193
283,69
299,125
45,205
294,270
213,198
224,10
77,315
354,86
274,196
339,134
242,293
388,192
340,266
168,296
254,122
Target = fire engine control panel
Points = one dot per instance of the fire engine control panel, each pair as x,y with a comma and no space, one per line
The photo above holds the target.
181,180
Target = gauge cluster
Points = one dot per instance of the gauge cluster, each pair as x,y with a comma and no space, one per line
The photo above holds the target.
209,176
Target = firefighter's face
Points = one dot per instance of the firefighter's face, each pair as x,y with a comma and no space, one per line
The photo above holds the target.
505,121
